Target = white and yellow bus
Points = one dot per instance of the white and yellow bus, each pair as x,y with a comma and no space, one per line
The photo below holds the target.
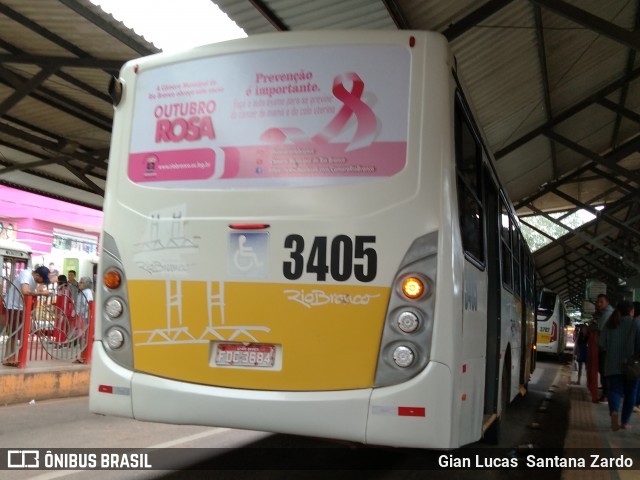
304,234
552,321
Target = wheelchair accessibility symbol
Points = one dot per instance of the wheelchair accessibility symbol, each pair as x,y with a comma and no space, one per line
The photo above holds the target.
248,254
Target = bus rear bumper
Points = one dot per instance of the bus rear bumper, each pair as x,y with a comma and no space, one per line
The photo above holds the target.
406,415
338,414
414,415
110,385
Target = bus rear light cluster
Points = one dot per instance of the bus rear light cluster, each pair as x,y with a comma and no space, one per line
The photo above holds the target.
406,338
113,323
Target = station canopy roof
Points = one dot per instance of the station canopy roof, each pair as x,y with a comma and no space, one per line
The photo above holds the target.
554,84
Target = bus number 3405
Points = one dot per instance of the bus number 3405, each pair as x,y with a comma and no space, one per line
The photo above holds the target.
347,257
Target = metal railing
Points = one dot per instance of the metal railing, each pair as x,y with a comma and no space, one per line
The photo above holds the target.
60,326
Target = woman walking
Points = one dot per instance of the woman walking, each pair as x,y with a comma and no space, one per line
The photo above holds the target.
620,338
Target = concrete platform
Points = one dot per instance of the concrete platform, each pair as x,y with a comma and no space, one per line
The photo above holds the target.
42,380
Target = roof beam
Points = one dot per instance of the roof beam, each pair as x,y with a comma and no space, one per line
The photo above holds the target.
47,144
610,164
478,15
269,15
601,214
583,236
615,155
568,113
25,89
396,14
75,201
101,23
101,154
83,178
592,22
542,57
58,101
631,60
59,62
611,276
620,110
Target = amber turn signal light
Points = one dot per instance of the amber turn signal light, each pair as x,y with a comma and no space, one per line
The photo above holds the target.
412,287
112,279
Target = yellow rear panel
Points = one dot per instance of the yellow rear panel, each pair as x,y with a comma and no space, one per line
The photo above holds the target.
329,334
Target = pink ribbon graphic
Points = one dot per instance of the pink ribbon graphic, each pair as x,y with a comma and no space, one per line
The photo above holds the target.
352,105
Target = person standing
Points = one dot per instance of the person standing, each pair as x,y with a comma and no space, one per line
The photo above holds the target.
620,338
63,311
603,312
27,282
81,309
71,278
53,273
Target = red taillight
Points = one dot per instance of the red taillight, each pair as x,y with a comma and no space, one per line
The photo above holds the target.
249,226
105,388
554,332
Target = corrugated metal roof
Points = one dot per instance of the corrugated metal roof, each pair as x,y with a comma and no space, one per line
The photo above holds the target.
68,50
555,91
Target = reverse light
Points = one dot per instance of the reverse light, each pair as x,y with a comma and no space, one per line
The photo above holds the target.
408,322
412,287
403,356
112,279
115,338
113,307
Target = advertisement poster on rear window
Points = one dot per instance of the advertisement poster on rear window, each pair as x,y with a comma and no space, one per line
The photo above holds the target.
285,117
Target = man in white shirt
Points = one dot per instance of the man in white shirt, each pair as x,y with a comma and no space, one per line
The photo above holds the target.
27,282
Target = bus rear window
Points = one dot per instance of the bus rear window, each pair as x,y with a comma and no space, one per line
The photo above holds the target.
547,301
280,118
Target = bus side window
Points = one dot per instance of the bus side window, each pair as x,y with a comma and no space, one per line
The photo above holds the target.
505,227
517,279
468,158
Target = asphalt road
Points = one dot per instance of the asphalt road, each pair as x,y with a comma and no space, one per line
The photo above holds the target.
539,419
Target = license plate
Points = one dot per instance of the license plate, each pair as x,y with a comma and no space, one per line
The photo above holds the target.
544,338
245,355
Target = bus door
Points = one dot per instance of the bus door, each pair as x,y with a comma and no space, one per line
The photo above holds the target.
492,372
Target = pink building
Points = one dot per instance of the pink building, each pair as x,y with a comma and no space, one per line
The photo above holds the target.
57,232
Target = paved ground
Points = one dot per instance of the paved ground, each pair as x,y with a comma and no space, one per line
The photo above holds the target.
589,430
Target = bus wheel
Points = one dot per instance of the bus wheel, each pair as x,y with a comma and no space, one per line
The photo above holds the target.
492,434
